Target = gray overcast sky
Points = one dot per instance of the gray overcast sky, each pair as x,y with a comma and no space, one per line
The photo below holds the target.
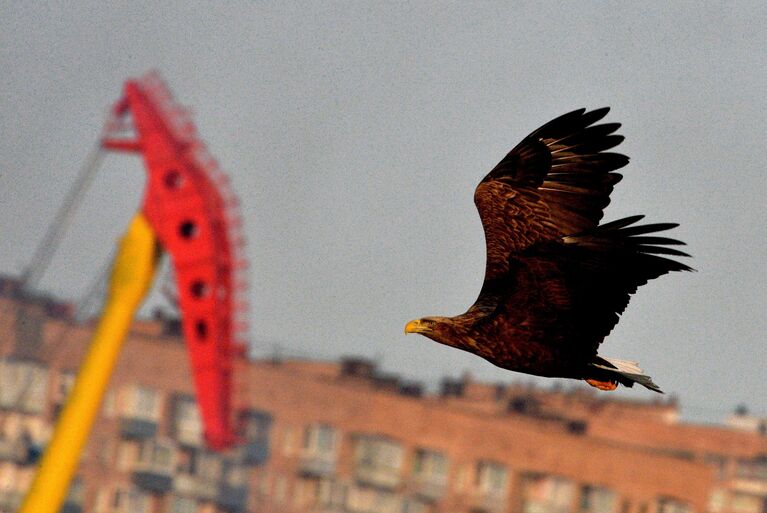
355,133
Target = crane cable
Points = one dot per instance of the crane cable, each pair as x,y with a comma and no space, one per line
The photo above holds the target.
42,256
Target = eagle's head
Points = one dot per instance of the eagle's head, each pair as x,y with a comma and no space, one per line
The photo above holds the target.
439,329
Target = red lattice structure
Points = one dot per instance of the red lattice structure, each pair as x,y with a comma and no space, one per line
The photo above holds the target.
191,207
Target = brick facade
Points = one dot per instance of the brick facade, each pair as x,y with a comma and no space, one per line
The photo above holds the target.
333,437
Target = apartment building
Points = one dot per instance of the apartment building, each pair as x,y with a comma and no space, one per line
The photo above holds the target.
343,437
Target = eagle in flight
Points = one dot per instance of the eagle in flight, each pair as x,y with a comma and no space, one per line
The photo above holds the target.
556,280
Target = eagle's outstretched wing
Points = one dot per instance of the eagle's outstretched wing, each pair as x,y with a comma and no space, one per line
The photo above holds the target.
554,183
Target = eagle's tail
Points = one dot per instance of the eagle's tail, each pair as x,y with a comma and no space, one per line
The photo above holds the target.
624,372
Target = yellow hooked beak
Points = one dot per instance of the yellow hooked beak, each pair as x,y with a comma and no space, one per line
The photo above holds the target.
415,326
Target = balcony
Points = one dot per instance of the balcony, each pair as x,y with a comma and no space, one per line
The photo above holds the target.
140,409
153,471
195,486
429,488
318,451
71,507
488,502
134,428
153,478
370,500
378,461
74,500
255,452
749,486
750,476
233,499
378,476
316,464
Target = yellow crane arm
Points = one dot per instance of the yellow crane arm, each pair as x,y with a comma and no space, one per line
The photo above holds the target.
132,274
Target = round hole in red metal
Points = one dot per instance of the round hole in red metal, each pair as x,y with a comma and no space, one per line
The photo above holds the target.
173,179
199,289
188,229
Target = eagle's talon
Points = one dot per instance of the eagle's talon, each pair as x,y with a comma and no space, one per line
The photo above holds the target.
603,385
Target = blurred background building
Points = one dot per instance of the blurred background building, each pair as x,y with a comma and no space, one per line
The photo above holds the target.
344,437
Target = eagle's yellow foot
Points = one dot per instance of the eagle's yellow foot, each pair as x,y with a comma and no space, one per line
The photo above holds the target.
603,385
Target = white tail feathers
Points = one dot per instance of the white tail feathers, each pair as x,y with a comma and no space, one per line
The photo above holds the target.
630,371
625,365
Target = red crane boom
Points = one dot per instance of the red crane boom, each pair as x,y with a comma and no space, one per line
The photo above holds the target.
190,206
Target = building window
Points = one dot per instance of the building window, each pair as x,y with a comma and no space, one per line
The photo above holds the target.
597,499
233,475
330,493
186,462
375,451
157,455
666,505
492,478
255,427
127,455
318,451
255,424
429,480
142,402
183,505
717,500
377,461
755,468
365,500
187,423
146,402
552,494
379,452
129,501
319,439
746,503
430,465
209,466
22,386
